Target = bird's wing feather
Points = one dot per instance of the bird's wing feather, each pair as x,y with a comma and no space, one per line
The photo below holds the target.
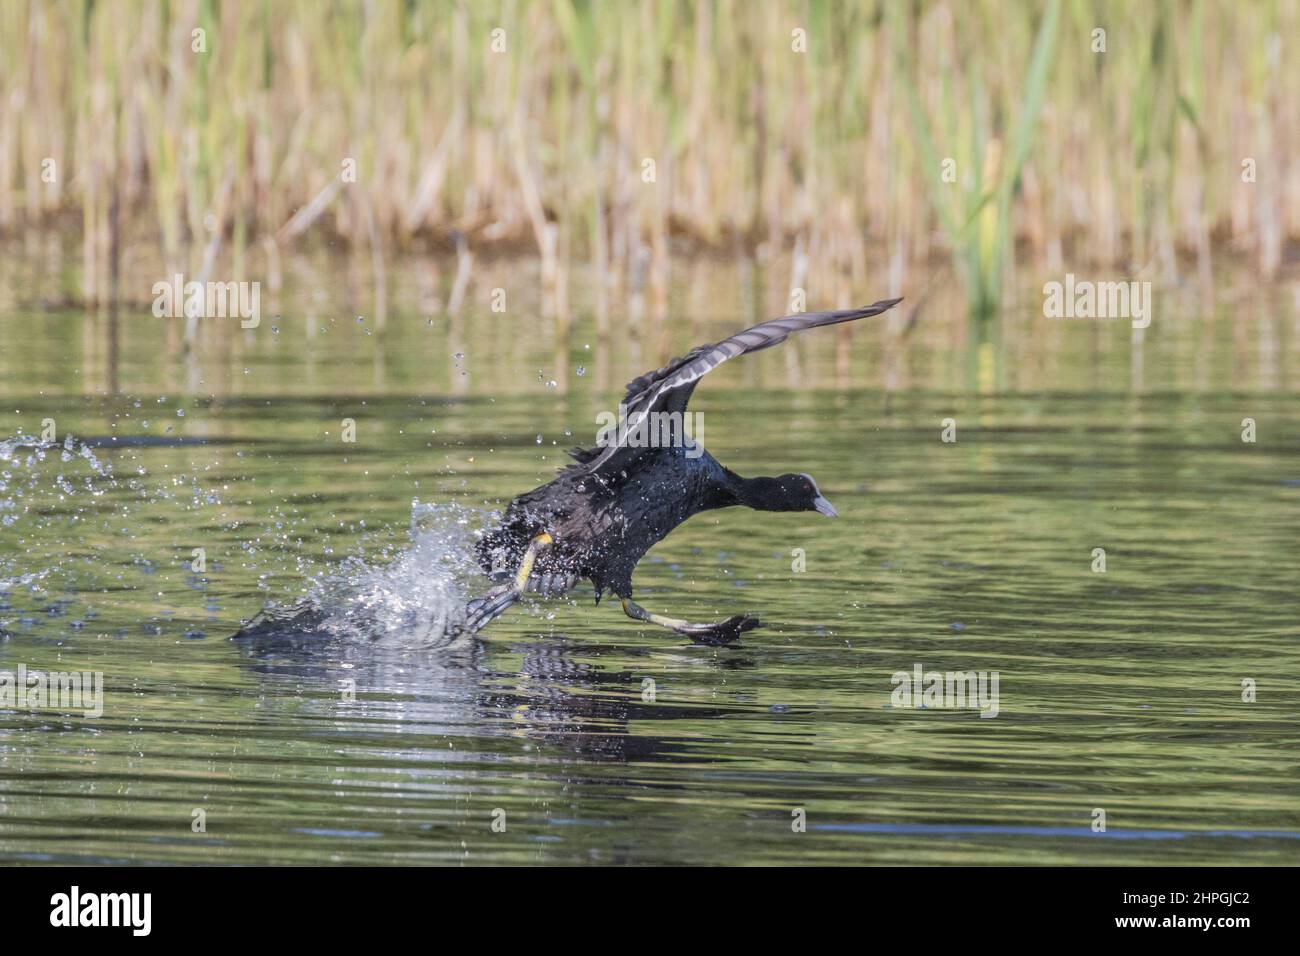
670,388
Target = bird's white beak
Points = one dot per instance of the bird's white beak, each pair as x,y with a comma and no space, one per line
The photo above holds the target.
825,507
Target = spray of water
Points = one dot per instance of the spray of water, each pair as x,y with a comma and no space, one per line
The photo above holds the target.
416,598
20,458
409,591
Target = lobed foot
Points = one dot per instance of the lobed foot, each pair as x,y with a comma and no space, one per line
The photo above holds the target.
720,632
717,632
480,611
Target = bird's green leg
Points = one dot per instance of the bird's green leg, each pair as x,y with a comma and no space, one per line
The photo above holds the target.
530,558
716,632
482,610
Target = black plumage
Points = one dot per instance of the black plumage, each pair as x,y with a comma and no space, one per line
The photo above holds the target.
600,515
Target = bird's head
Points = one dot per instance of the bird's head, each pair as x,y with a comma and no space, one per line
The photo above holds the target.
790,493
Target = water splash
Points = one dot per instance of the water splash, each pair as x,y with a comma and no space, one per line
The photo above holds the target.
21,458
406,588
416,599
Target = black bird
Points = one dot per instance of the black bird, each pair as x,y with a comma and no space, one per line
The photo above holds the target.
599,516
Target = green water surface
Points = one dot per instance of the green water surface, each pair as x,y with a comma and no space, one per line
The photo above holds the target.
591,738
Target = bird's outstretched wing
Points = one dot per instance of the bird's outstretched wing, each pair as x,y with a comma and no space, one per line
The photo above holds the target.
669,389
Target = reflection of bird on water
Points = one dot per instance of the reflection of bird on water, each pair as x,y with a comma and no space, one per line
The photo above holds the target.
581,708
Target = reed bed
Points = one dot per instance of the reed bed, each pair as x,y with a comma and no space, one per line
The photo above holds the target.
613,132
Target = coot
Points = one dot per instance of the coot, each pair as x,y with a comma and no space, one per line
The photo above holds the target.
600,515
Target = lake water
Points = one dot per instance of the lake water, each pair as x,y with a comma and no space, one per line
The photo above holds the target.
568,734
